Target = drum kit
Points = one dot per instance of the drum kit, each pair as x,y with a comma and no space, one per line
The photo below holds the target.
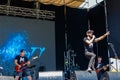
69,64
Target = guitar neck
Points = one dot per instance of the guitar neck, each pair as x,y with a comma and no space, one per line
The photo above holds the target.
104,66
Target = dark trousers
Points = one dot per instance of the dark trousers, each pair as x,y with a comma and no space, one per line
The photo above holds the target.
23,74
99,75
91,56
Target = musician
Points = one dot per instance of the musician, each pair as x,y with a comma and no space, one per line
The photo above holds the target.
100,67
89,41
22,59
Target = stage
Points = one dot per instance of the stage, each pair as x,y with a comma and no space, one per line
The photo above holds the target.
54,34
76,75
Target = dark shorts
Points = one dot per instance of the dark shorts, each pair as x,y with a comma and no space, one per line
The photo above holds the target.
23,73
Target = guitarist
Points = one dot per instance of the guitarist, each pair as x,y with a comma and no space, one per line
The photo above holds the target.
100,69
20,61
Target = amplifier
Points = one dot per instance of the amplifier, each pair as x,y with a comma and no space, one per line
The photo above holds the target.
6,78
52,75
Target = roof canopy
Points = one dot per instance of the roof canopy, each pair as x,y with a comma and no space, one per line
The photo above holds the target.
90,3
69,3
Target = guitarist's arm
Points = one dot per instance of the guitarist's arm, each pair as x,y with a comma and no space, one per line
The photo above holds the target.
105,67
16,63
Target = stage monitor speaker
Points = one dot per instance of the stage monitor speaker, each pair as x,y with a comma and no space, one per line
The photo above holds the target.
6,78
111,76
51,75
85,75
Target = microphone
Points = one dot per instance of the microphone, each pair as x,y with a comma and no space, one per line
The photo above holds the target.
94,36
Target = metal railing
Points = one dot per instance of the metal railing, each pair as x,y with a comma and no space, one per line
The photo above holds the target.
26,12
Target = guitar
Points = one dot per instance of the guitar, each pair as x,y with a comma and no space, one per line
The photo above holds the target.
106,66
23,65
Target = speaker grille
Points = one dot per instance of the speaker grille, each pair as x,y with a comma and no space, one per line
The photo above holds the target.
85,75
111,76
6,78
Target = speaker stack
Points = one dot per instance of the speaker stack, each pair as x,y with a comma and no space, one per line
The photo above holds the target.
85,75
111,76
51,75
6,78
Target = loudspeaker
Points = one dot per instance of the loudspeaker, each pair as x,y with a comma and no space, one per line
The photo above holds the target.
51,75
85,75
6,78
111,76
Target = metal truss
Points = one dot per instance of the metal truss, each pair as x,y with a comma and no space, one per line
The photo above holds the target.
27,12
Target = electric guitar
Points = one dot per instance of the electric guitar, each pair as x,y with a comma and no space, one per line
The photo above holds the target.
23,65
106,66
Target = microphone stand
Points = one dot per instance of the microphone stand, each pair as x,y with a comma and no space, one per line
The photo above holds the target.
116,57
106,24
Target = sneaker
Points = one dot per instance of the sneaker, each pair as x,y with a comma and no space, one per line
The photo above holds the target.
89,69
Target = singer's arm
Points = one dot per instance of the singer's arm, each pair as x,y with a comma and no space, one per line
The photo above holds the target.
101,37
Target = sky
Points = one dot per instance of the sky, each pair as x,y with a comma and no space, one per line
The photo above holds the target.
90,3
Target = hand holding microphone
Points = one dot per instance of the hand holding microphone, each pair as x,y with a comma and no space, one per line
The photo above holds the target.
93,36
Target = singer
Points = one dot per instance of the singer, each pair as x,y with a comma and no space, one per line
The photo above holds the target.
89,41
